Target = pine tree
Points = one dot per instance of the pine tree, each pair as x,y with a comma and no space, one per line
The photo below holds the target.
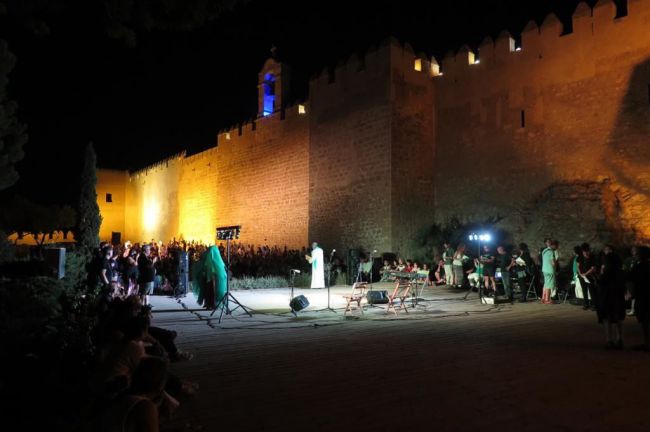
89,219
12,132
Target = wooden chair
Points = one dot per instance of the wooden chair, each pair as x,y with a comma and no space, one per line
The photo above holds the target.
401,292
358,293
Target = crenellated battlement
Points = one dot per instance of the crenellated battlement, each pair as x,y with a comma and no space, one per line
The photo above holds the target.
296,112
551,45
158,166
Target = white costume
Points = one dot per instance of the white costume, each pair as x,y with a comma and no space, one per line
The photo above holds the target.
317,268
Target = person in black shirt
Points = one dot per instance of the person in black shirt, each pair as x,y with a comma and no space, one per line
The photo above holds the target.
506,262
640,277
146,274
106,273
587,274
489,267
611,298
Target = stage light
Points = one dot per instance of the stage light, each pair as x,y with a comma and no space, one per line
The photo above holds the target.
488,237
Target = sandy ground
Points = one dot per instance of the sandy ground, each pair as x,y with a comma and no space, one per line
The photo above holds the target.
450,364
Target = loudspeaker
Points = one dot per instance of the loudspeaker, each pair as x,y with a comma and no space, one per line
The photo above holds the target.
353,265
55,261
298,303
183,273
116,238
377,297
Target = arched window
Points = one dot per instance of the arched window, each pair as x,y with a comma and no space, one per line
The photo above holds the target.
269,94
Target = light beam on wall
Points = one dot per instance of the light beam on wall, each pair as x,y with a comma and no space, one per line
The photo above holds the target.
150,215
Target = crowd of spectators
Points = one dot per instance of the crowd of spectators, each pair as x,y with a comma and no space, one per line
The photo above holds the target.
132,385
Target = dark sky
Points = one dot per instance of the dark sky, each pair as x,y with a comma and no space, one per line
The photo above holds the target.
175,89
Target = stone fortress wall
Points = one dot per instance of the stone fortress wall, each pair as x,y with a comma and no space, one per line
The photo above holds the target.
552,136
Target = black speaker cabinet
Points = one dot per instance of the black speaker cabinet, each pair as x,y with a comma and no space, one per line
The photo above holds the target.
298,303
183,273
377,297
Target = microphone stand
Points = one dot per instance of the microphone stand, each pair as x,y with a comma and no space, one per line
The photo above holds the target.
329,272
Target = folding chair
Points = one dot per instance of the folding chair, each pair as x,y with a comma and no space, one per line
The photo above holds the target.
401,292
531,288
358,293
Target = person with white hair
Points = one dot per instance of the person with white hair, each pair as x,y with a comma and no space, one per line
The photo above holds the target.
317,266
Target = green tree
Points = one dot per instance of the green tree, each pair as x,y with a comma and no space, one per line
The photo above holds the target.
12,132
86,231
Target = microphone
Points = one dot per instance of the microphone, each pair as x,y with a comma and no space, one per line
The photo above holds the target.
295,271
333,250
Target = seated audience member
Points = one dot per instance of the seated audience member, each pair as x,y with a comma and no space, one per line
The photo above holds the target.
409,266
137,409
439,276
401,266
385,271
123,356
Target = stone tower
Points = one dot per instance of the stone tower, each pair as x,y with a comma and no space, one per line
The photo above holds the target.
273,86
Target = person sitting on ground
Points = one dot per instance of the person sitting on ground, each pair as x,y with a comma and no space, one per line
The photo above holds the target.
439,275
385,271
116,369
137,409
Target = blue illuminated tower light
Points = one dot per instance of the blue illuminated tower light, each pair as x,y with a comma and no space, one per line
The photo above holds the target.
269,94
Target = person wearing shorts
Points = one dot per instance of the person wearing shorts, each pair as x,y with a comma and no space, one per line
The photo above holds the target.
549,264
146,274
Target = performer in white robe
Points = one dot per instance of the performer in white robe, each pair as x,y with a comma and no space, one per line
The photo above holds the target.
317,266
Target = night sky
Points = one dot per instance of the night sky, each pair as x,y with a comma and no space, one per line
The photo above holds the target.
174,89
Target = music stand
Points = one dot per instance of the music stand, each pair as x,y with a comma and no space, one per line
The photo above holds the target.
415,301
227,234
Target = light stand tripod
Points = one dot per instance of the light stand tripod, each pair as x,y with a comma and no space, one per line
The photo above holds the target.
228,233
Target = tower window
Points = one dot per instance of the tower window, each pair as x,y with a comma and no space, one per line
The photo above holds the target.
109,197
523,118
269,94
418,65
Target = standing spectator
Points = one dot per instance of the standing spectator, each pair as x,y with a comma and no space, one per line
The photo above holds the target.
107,270
448,258
587,273
146,273
640,277
488,260
611,298
459,259
549,263
506,262
628,267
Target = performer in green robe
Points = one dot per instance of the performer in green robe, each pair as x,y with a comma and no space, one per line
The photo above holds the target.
209,278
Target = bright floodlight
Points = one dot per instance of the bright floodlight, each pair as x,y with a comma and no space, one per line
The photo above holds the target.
488,237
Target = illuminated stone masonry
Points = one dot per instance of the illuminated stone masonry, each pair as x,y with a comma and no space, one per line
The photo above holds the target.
552,135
